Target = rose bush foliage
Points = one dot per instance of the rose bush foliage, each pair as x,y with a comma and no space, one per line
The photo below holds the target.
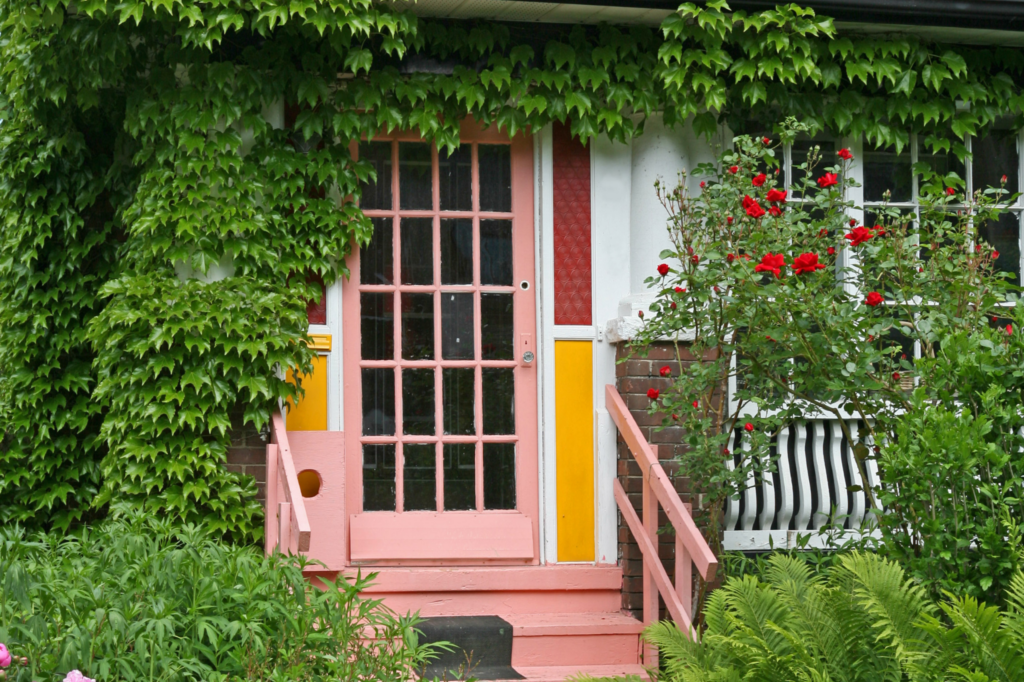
797,308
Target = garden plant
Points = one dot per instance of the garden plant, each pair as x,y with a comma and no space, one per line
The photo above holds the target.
158,224
138,598
795,307
865,621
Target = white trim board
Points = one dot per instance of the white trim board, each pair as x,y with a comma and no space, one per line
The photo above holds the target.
767,540
544,245
574,332
611,177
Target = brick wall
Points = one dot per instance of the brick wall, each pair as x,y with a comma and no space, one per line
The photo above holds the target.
633,378
247,454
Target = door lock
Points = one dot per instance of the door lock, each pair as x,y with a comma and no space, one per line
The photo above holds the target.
526,356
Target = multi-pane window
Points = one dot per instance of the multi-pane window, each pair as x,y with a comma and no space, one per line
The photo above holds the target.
887,178
993,155
436,299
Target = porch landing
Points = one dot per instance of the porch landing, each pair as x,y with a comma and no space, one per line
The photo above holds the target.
566,619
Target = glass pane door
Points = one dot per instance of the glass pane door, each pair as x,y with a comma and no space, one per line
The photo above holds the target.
437,330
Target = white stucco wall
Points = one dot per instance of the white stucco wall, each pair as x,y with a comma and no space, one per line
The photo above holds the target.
660,153
628,232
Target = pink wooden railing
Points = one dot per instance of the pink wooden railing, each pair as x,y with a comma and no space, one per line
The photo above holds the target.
691,548
287,526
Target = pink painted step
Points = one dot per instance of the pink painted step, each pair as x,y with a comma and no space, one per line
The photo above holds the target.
497,590
565,618
560,673
559,639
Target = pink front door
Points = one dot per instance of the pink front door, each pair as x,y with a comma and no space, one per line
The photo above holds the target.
440,378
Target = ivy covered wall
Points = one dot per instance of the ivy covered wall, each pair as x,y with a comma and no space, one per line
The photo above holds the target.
135,145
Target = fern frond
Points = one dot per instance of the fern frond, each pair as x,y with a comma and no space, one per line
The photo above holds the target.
896,604
995,651
786,570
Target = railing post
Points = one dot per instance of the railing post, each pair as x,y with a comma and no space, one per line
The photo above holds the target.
270,522
650,521
684,572
284,527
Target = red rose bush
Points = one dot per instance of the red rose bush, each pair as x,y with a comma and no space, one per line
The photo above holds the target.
803,311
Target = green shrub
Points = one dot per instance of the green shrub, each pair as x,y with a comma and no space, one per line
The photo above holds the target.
141,599
864,621
951,476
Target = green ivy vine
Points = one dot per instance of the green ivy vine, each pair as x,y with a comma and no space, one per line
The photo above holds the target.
137,153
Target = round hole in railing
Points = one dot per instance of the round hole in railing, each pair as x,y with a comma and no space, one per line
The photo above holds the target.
309,483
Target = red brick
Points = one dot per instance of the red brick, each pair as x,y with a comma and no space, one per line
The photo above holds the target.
662,351
632,552
633,485
671,435
247,455
633,584
639,368
257,472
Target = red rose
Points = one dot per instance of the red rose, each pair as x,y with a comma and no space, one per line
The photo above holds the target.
859,235
853,222
640,314
653,393
663,269
759,179
950,191
753,208
995,254
725,451
823,232
675,417
728,220
680,290
665,371
702,184
696,404
896,376
734,169
807,263
730,257
828,180
775,211
831,251
1002,180
748,427
844,154
672,305
1009,329
695,259
873,299
776,195
771,263
765,140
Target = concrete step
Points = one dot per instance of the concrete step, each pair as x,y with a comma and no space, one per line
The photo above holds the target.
567,639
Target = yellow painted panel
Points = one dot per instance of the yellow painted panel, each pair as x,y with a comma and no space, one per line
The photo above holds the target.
574,449
311,412
320,341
